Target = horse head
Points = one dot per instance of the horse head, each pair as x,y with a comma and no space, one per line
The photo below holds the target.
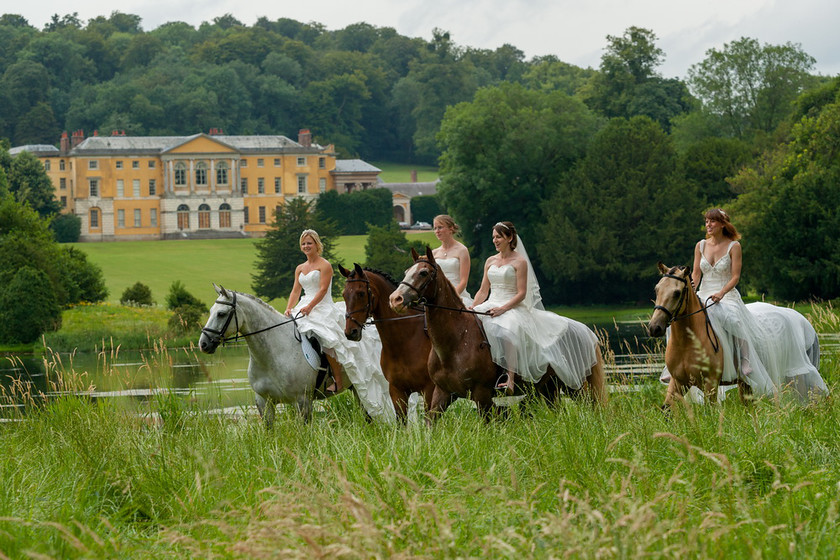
358,301
419,282
671,297
218,324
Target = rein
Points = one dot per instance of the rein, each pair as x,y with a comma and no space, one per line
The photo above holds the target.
674,316
218,335
368,309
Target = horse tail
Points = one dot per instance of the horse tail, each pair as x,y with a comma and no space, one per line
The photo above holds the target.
597,379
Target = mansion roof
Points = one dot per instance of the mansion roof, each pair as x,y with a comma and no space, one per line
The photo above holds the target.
354,166
104,145
38,149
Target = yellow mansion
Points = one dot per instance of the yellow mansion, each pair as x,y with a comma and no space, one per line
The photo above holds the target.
205,185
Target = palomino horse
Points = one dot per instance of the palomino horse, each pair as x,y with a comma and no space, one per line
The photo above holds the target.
693,355
460,364
277,371
405,344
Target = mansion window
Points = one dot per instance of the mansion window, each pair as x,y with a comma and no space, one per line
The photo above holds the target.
322,185
224,215
260,162
301,184
94,218
261,185
93,186
153,217
135,165
204,217
151,164
262,214
61,164
62,183
64,202
47,165
246,217
222,173
322,163
135,187
201,173
137,217
183,217
243,185
120,187
277,188
152,187
180,174
243,163
93,164
277,162
121,218
118,164
301,162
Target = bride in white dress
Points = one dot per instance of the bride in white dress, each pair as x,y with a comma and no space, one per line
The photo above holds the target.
764,345
523,337
310,302
452,256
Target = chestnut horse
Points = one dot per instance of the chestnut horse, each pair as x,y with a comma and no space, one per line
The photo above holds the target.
405,344
693,354
461,364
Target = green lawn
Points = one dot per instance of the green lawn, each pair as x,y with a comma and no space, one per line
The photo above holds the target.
196,263
401,172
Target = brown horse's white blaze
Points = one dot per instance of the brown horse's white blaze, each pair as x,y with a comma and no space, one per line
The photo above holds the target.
405,344
692,355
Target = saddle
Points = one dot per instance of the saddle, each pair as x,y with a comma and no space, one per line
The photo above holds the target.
317,360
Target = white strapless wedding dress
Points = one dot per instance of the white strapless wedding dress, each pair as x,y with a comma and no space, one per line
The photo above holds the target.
451,268
527,341
360,359
771,343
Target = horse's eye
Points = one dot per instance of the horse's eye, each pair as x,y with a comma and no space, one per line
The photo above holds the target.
424,273
677,293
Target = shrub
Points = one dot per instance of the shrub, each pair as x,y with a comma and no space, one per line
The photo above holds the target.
66,227
139,294
28,307
178,297
186,318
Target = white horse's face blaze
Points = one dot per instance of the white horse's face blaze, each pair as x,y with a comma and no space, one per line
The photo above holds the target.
219,314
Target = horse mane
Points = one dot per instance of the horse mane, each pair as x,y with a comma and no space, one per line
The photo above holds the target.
383,274
257,300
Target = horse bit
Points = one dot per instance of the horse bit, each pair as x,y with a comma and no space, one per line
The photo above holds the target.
218,336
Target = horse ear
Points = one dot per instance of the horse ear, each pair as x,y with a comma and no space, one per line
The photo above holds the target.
429,255
359,271
414,254
344,272
662,268
221,291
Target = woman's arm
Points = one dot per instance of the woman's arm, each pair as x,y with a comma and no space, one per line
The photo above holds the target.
735,258
464,267
326,277
294,296
696,272
484,290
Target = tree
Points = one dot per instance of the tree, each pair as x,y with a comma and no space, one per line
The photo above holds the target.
708,164
28,307
355,211
138,294
387,249
503,153
178,296
279,250
424,208
788,212
751,86
29,184
83,281
622,208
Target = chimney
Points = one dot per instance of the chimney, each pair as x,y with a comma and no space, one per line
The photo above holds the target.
413,175
305,137
65,143
77,138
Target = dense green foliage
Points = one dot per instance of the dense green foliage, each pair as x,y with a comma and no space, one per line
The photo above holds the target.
425,207
178,296
387,249
354,211
66,227
138,294
278,253
789,207
621,209
28,306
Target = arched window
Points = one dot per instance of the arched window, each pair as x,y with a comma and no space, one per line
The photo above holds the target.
201,174
94,218
204,216
180,174
183,217
224,215
222,173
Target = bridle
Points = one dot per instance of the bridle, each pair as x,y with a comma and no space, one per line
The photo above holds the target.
683,300
368,308
432,277
218,336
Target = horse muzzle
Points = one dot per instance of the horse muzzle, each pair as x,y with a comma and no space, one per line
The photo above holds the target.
208,343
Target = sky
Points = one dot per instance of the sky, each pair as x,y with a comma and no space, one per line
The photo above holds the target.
574,31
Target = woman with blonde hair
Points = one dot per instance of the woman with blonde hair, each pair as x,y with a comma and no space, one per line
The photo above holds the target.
317,316
452,256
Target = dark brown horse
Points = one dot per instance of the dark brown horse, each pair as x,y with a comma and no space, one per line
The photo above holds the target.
461,364
693,355
405,344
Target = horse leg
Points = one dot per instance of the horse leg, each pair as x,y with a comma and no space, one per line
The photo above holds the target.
440,402
267,411
483,398
400,399
596,381
710,388
304,407
674,393
744,392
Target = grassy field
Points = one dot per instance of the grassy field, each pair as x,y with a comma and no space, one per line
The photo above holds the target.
196,263
401,173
